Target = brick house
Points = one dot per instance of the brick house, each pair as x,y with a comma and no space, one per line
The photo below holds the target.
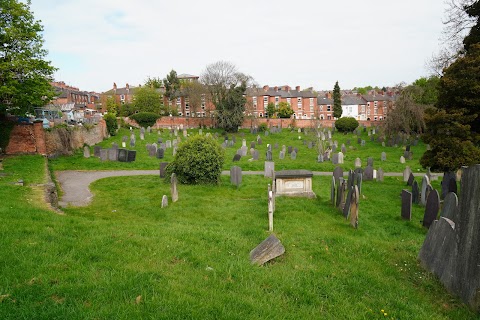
377,106
325,106
74,102
302,102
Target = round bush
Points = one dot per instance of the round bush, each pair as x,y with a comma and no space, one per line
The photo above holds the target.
346,124
145,119
199,160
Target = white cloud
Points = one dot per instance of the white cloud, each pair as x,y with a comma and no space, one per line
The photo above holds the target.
307,43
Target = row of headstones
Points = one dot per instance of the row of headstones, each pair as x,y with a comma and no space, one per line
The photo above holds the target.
368,173
242,152
345,194
173,189
111,154
427,196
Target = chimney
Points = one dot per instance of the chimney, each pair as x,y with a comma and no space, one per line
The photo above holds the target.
265,88
276,89
286,88
329,95
297,88
114,87
127,87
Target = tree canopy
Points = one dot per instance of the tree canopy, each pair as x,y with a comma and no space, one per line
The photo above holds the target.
25,75
284,110
148,99
172,84
337,101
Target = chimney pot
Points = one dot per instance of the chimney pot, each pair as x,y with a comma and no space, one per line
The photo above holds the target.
297,88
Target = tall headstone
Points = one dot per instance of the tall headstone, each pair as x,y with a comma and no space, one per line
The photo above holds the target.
270,211
268,155
269,169
411,179
380,174
448,182
337,173
354,207
368,173
236,175
333,189
173,187
431,208
406,173
163,169
383,156
423,195
415,193
358,163
340,157
164,201
406,205
348,201
86,152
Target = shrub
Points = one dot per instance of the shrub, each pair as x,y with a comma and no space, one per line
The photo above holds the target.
346,124
198,160
145,119
111,122
262,127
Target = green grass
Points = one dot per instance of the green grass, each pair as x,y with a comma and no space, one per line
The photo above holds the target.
191,260
306,158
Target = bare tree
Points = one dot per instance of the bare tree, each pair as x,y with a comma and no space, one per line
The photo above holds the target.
195,92
457,24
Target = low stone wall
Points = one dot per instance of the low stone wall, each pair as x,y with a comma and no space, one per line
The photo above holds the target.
33,139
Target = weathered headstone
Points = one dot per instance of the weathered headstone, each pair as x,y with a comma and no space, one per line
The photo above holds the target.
293,155
425,184
236,157
402,159
160,153
281,155
236,175
122,155
333,189
173,187
348,200
269,249
104,154
354,207
340,157
131,155
269,169
380,174
335,158
383,156
337,173
268,155
406,173
431,208
449,183
96,151
358,163
368,173
370,161
406,205
112,154
449,208
340,198
415,193
411,179
320,158
164,201
86,152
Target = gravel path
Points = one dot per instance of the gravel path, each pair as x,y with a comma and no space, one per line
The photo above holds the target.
75,184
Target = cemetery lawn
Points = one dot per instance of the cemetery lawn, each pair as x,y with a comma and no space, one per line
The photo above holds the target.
306,158
123,257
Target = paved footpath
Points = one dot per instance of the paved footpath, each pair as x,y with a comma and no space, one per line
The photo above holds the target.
75,184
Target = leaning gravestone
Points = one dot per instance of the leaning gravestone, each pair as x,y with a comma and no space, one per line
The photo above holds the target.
122,155
425,184
236,175
173,187
86,152
368,173
450,204
269,249
431,208
406,205
163,169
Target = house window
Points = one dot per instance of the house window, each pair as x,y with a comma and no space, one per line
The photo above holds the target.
265,101
375,118
180,114
321,117
363,108
260,115
375,110
187,104
289,101
277,98
375,103
203,114
368,104
187,114
299,103
384,110
122,97
254,102
329,117
329,108
311,102
321,108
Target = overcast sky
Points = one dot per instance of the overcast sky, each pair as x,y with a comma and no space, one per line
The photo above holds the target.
304,42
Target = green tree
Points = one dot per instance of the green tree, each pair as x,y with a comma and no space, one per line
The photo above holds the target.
271,109
199,160
284,110
112,105
25,75
147,99
196,93
153,82
346,124
172,84
226,87
337,101
427,93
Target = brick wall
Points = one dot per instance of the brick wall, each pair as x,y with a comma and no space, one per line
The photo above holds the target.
27,139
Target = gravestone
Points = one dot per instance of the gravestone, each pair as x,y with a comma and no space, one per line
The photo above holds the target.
173,187
163,169
337,173
415,193
406,173
96,151
252,145
132,142
348,200
122,155
124,139
320,158
449,183
406,205
310,145
244,143
256,155
243,151
131,155
160,153
236,157
164,201
269,169
281,155
86,152
334,148
168,144
293,155
269,155
411,179
112,154
335,158
142,136
296,150
152,151
383,156
340,157
174,151
368,173
358,163
269,249
290,149
343,148
341,187
431,208
359,140
380,174
423,195
402,159
275,146
114,145
449,208
270,209
259,141
124,144
236,175
354,207
370,162
363,143
332,191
